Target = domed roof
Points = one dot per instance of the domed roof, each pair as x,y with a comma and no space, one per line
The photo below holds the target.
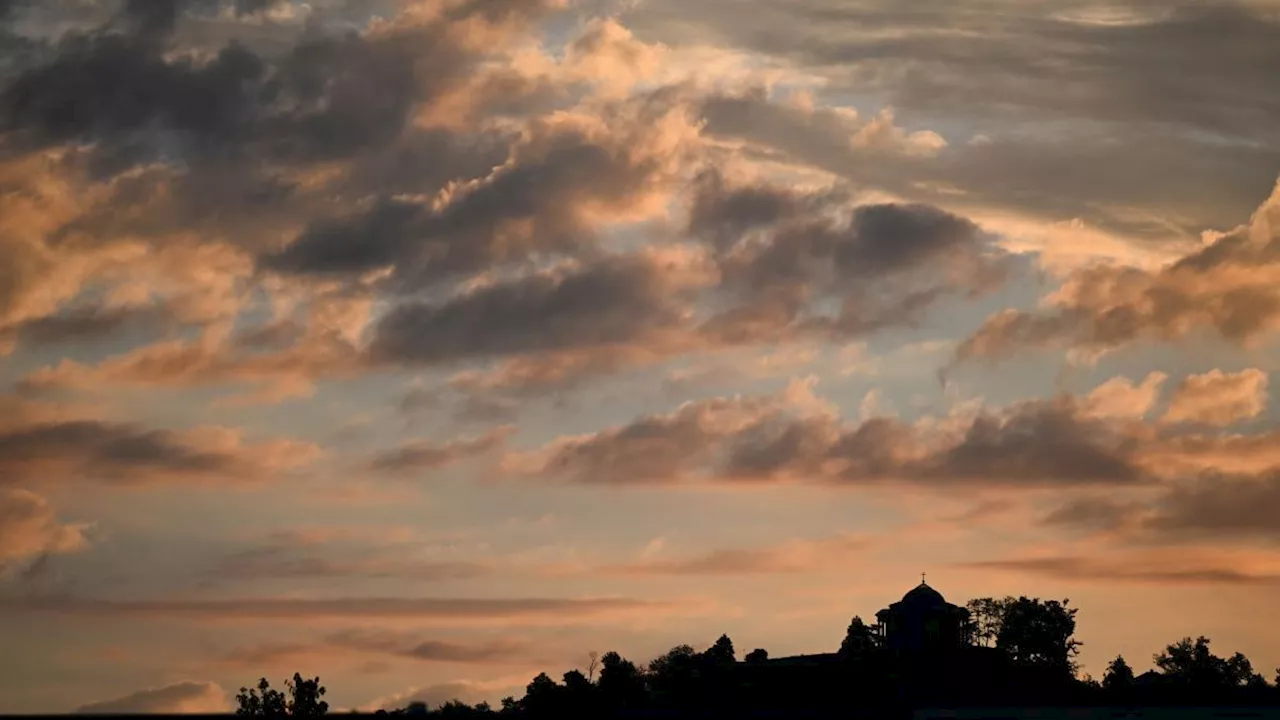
924,595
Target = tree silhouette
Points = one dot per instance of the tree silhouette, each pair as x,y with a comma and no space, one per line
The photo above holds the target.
1039,634
858,640
1119,675
621,684
302,699
1031,663
541,696
986,616
1193,664
722,652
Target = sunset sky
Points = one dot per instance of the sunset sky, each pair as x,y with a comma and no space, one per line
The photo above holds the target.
425,345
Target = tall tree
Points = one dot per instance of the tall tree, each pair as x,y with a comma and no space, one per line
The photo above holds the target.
1192,663
1119,675
859,640
986,616
541,696
621,684
1039,634
722,652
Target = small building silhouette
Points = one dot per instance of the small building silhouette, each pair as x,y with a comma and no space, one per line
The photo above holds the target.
923,620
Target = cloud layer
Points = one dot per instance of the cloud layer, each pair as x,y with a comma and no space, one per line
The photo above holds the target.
458,323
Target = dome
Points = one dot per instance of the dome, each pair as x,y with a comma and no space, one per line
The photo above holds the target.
924,595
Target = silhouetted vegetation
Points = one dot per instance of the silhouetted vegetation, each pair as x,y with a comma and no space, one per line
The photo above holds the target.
301,698
1013,651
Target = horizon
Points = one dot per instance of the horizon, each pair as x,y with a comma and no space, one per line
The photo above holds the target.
426,345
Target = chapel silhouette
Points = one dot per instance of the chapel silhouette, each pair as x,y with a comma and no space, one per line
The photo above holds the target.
923,621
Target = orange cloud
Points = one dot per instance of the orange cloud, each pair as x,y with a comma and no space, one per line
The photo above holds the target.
1120,398
188,697
1181,566
29,528
789,557
1218,398
1229,286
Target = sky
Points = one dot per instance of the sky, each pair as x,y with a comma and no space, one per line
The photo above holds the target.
426,345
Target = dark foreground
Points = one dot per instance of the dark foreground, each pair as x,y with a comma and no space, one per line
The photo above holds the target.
1018,712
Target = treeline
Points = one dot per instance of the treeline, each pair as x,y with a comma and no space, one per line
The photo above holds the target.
1016,651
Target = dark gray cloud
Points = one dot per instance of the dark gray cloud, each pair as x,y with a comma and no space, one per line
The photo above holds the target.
425,456
90,323
8,8
1145,182
1034,444
1196,505
1224,507
104,449
542,200
611,301
327,94
110,88
1048,442
120,453
1162,65
783,253
1040,443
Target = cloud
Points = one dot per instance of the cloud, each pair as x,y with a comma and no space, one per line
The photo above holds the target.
327,96
794,436
1228,287
614,301
1211,506
990,62
424,456
59,450
655,449
385,643
1120,398
29,528
1094,513
787,256
451,609
278,360
1217,398
431,650
289,556
1135,570
468,691
569,174
1226,507
1145,153
188,697
790,557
